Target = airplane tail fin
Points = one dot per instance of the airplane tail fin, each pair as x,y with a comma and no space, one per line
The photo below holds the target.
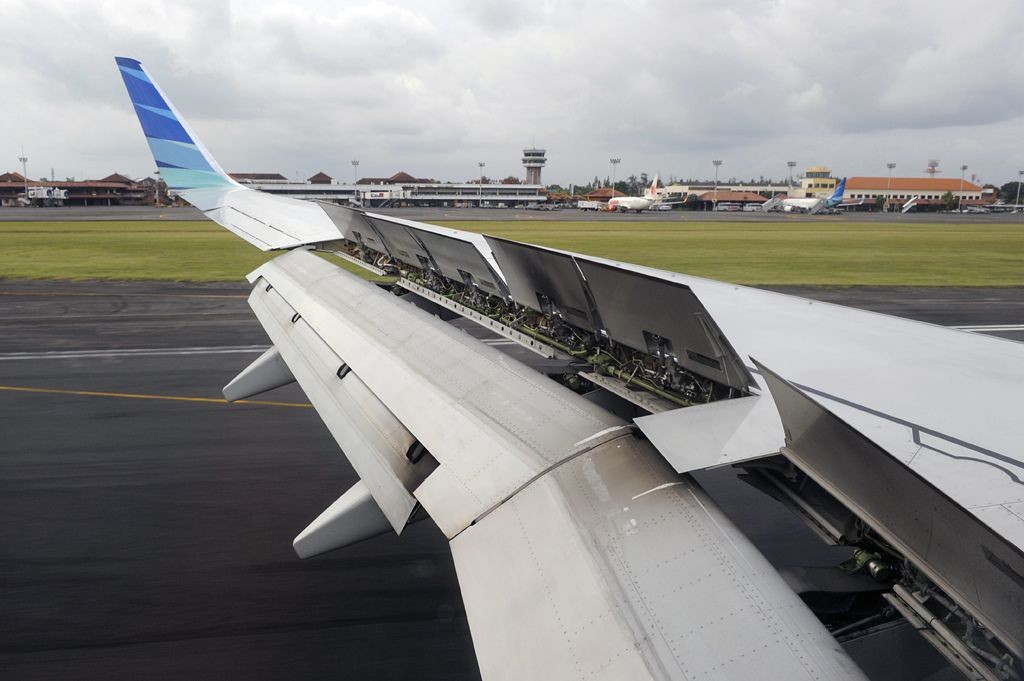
840,190
652,191
183,161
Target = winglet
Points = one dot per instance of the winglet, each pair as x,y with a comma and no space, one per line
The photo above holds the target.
183,160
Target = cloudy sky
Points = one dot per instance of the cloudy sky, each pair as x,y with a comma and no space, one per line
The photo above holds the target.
433,88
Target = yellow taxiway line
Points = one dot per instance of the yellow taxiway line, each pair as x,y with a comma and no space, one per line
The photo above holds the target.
142,396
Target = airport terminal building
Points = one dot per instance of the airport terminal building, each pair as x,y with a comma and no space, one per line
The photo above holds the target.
680,190
113,190
926,192
400,189
404,189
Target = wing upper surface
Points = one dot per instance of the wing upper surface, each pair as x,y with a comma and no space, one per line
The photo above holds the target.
616,568
573,539
492,423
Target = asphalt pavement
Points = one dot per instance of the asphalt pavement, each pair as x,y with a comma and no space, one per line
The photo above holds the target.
146,532
103,213
145,526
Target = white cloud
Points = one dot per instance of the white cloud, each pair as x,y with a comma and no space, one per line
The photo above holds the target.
433,88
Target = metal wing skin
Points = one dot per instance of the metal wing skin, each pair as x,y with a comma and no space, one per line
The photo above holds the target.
583,546
573,538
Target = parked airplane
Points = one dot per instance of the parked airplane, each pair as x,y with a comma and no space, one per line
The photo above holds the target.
811,205
648,201
1006,207
583,544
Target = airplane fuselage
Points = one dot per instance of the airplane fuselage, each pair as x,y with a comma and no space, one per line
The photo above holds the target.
637,203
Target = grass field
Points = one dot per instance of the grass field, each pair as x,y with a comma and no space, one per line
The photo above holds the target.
826,253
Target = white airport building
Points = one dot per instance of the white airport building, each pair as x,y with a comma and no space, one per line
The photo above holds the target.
679,191
403,189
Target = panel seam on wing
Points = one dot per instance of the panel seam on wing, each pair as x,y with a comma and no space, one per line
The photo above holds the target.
593,444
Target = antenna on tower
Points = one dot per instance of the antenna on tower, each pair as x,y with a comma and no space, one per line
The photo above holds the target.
933,167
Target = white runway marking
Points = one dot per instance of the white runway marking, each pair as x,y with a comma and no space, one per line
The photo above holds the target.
113,353
134,352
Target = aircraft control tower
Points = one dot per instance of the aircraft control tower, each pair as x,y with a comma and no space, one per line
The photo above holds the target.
534,160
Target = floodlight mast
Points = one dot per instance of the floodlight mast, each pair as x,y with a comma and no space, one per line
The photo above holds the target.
714,200
481,187
615,162
888,186
960,199
24,171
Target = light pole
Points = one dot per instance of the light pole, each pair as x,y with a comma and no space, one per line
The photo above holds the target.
888,186
24,171
481,164
1020,176
355,171
714,201
960,200
615,162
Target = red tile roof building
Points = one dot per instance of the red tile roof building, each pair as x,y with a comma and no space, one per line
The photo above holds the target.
603,194
113,190
928,191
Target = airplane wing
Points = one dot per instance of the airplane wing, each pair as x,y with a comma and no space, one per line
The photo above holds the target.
583,545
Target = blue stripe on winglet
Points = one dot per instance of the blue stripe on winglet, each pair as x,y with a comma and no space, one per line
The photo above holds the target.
165,112
180,179
161,127
178,154
141,90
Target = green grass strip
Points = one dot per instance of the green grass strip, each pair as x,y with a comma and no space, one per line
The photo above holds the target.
834,253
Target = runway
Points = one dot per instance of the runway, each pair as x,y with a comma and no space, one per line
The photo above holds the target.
147,525
104,213
441,214
146,537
